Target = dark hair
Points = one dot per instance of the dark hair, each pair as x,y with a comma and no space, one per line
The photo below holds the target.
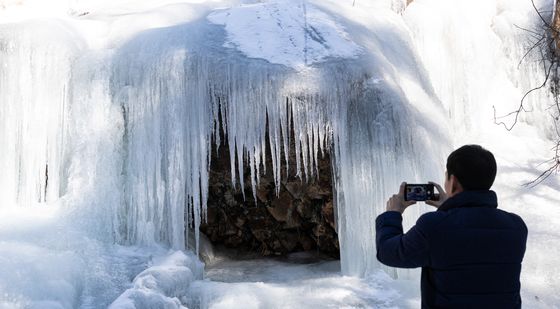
473,166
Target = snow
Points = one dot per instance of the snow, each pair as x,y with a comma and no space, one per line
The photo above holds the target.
46,261
291,33
113,102
160,285
295,282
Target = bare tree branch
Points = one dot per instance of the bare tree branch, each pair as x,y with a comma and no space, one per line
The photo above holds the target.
521,107
547,45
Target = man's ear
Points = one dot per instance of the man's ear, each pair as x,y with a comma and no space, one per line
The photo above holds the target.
456,186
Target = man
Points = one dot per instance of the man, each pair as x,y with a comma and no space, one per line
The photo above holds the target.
470,251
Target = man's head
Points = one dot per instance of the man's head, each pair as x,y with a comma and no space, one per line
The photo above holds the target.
469,168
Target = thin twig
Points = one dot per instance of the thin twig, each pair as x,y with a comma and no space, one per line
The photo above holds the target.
525,29
547,45
521,108
542,18
533,183
530,50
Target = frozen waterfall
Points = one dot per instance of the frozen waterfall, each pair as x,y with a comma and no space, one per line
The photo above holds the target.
174,82
165,89
110,112
36,66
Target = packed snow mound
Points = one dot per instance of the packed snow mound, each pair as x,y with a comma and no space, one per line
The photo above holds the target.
160,285
292,33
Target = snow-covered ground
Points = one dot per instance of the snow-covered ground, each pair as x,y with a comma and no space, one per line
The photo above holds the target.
298,281
48,262
69,68
538,208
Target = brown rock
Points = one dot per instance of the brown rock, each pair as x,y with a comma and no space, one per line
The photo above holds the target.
328,213
327,243
320,230
317,216
230,229
262,194
281,207
261,234
240,221
316,192
307,243
214,235
229,199
289,240
265,250
304,209
277,247
296,188
233,241
211,215
294,220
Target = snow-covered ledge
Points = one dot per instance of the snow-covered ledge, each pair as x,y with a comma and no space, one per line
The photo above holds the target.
292,33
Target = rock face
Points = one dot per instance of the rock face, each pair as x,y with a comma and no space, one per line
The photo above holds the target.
300,218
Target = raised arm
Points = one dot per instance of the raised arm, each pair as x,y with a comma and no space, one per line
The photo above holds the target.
394,248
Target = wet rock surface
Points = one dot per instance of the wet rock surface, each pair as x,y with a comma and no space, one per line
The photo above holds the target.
300,218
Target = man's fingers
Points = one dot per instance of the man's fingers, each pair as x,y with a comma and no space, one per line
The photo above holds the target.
401,189
397,203
438,187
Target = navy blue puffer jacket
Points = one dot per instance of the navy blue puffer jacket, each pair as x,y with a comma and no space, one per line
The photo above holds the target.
470,252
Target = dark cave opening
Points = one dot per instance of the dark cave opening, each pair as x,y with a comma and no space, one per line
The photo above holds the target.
300,218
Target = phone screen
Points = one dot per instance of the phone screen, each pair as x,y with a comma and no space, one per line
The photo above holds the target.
419,192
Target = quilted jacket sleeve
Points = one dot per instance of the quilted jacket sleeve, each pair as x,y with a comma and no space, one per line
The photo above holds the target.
396,249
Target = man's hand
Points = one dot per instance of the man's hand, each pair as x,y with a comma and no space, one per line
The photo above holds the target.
397,202
442,196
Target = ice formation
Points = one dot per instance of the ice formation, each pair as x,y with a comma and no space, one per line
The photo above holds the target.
172,91
162,284
34,81
112,118
157,99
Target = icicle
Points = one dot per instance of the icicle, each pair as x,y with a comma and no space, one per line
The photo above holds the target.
179,89
35,62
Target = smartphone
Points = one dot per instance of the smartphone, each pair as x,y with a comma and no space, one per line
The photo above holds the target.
419,192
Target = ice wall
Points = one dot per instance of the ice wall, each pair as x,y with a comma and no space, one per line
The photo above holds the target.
35,69
94,149
175,83
172,99
128,131
168,124
396,132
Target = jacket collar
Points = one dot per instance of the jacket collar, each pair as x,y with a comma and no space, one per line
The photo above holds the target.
482,198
